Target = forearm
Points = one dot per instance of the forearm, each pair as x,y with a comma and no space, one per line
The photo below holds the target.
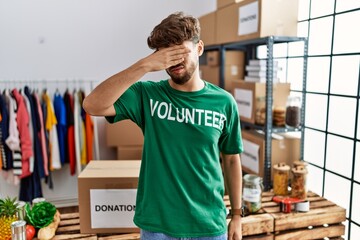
100,101
233,179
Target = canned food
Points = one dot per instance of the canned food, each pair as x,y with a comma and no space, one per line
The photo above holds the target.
37,200
20,210
18,230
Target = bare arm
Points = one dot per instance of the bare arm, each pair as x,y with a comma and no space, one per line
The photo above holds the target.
233,181
100,101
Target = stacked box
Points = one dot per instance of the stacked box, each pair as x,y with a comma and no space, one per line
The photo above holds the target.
285,148
107,196
234,67
127,137
251,96
250,19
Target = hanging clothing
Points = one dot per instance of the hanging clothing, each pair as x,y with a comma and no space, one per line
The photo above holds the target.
50,125
7,161
22,119
35,131
69,105
89,131
60,112
77,130
13,140
82,131
31,128
1,147
41,135
48,179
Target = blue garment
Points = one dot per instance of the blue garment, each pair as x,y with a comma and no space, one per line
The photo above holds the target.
60,113
146,235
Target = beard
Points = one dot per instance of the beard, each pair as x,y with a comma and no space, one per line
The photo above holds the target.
184,77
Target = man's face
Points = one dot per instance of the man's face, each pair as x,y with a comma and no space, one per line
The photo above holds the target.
183,72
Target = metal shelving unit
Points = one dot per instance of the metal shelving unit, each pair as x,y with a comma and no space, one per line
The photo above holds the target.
250,46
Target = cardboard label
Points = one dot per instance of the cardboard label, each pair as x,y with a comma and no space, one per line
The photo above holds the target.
234,70
248,18
244,101
250,156
112,208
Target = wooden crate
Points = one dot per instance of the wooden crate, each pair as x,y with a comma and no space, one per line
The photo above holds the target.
69,228
324,220
259,225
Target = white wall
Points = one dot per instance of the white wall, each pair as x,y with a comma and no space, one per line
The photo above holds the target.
82,39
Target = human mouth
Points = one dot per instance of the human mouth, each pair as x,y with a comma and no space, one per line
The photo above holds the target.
176,69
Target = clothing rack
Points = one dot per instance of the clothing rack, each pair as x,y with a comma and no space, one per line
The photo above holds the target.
67,83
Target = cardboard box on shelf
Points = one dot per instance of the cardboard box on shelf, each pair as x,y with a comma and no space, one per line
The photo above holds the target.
129,152
123,133
250,19
224,3
210,74
251,97
233,68
285,148
208,31
107,194
212,58
232,57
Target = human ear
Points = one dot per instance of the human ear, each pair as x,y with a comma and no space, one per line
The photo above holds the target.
200,47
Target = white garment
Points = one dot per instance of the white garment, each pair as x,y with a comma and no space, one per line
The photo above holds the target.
54,141
77,132
13,140
50,126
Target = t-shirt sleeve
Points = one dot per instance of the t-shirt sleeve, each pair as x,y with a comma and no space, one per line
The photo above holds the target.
230,141
129,105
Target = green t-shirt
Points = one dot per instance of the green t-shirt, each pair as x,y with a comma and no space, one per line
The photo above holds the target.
181,186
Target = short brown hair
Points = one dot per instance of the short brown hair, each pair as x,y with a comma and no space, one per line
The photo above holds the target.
174,30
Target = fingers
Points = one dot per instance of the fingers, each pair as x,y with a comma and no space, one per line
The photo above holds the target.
177,51
166,57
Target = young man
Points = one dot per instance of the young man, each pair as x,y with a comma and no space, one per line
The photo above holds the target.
187,123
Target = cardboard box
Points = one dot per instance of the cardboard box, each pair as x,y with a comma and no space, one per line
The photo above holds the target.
284,149
224,3
208,30
234,68
107,194
250,19
251,96
129,152
212,58
232,57
123,133
235,57
210,74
